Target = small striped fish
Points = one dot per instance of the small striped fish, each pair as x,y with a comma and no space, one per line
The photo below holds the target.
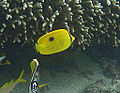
33,86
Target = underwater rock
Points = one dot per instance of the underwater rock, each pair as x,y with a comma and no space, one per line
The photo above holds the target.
110,67
23,21
102,86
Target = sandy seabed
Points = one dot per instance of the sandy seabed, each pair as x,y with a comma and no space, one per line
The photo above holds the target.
74,73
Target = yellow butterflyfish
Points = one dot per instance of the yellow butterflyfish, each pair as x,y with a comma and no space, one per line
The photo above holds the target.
54,42
8,87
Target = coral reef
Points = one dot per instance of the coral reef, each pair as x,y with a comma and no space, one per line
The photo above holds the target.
24,21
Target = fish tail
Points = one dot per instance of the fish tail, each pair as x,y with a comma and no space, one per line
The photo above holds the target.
20,79
72,37
43,85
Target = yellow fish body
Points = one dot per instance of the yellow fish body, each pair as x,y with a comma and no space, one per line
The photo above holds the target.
54,42
8,87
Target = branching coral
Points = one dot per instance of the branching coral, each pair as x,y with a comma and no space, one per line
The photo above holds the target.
25,20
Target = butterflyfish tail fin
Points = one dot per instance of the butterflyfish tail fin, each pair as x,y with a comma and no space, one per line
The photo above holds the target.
42,85
20,79
72,37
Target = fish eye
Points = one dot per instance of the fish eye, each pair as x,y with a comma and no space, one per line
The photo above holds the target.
51,38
